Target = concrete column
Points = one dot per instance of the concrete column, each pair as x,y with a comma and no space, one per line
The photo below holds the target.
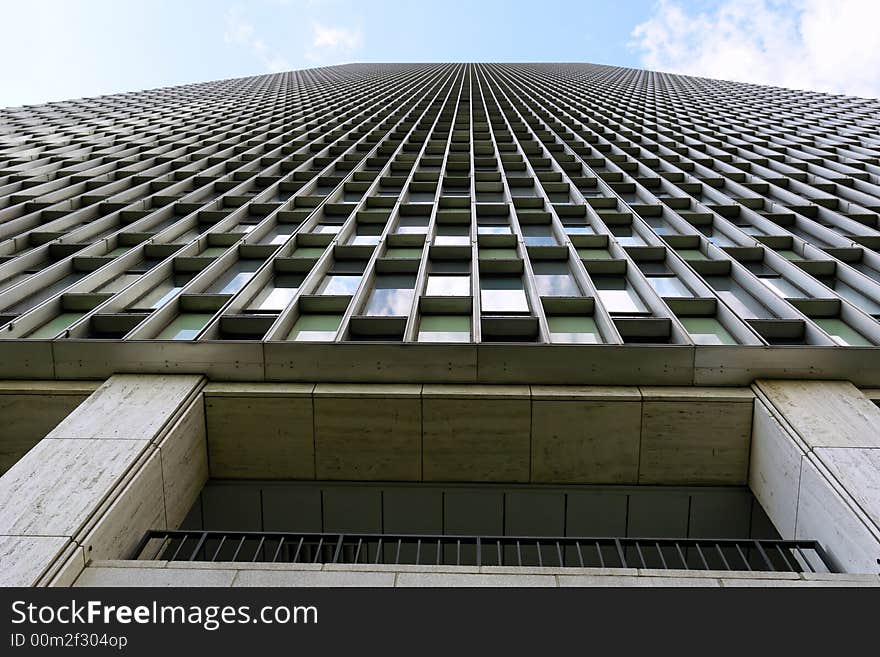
131,456
815,466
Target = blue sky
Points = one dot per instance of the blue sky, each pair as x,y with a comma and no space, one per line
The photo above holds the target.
58,49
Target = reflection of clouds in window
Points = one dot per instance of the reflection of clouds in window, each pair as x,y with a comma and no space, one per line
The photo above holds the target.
442,286
339,284
391,296
503,294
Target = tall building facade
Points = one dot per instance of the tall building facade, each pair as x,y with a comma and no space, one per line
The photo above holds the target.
441,324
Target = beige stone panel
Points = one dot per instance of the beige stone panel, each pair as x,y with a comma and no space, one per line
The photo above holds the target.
23,559
72,564
286,390
184,454
695,442
476,439
588,364
454,579
467,391
775,470
60,483
48,387
27,418
825,515
368,439
154,577
586,393
592,580
365,361
369,390
778,583
138,507
695,394
826,413
129,407
307,578
585,442
260,437
858,472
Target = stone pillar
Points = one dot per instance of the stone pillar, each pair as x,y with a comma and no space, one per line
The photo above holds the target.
132,456
815,466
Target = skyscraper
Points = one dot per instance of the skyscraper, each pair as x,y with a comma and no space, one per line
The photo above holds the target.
489,316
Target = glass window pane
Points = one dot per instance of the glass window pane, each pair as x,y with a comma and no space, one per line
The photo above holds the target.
443,286
670,286
538,235
707,330
315,328
841,332
856,298
626,236
503,294
735,296
783,287
277,294
391,296
339,284
185,327
554,279
55,326
444,328
234,278
574,329
452,235
413,225
618,296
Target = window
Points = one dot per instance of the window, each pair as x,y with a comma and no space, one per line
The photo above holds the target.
841,332
670,286
234,278
279,234
443,286
55,326
538,235
493,227
626,236
444,328
735,296
391,296
277,294
574,329
452,235
707,330
367,234
185,326
413,225
339,284
315,328
503,294
163,292
554,279
783,287
618,296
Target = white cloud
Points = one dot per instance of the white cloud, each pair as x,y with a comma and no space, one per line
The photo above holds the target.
823,45
334,43
240,32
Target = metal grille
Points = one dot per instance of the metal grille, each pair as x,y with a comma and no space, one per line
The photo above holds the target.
555,551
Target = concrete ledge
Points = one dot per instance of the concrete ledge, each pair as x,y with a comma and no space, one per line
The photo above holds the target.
162,573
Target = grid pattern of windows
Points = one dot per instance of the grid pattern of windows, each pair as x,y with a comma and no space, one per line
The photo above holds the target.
417,203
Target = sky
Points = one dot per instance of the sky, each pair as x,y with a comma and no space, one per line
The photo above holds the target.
61,49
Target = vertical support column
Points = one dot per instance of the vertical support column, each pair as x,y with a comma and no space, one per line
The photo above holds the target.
130,457
815,466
